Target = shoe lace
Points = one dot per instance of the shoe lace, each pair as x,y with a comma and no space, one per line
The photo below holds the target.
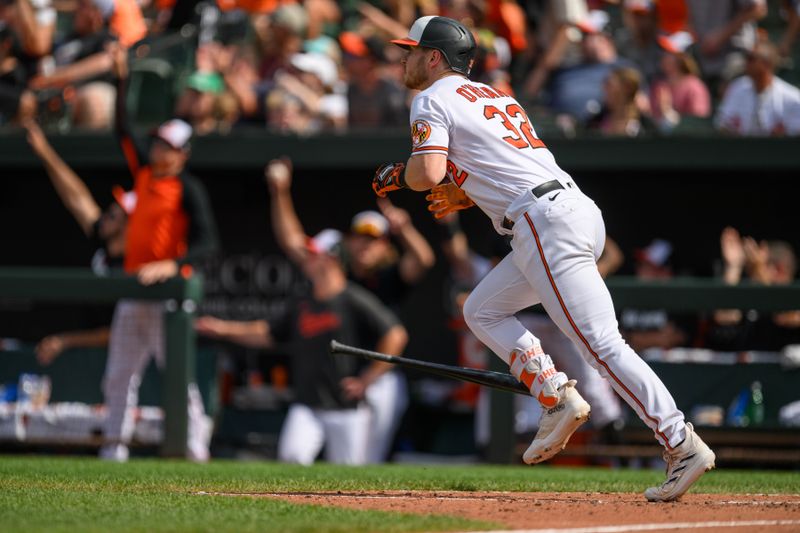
671,461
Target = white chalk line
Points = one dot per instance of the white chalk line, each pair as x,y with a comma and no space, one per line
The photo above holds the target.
753,503
655,527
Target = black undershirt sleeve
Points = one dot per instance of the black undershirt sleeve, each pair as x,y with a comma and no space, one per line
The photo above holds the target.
374,318
202,239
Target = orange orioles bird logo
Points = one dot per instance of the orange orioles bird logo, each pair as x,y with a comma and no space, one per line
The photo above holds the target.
420,132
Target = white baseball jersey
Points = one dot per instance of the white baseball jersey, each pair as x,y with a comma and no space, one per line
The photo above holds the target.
492,150
745,112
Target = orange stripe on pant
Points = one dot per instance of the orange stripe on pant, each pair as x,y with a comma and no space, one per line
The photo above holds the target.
583,339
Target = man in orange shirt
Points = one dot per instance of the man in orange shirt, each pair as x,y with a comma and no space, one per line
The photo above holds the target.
171,227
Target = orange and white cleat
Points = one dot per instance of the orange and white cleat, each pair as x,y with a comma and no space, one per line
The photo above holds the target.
557,424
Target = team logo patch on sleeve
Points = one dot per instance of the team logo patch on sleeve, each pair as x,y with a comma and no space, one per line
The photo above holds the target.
420,132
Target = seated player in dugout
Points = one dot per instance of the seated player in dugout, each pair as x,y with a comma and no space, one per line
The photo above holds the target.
329,409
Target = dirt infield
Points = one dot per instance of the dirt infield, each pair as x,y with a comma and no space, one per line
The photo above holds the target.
611,511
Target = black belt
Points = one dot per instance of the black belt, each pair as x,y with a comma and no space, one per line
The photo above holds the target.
538,192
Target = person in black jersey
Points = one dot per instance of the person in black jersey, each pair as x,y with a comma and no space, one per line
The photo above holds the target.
329,408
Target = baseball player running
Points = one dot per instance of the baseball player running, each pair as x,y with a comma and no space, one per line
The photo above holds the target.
474,145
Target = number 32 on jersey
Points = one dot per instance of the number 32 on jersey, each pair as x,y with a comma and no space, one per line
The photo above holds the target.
526,138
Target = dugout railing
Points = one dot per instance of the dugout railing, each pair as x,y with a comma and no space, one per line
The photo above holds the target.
182,296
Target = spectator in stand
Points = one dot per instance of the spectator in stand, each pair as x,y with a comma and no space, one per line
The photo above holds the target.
84,59
279,37
314,79
249,71
765,262
126,21
205,105
558,42
639,45
238,71
373,100
492,59
579,90
680,91
286,114
507,20
83,56
32,25
791,8
302,100
620,114
17,103
760,103
725,29
27,28
672,15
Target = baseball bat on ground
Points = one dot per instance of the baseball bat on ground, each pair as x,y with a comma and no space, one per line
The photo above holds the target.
495,380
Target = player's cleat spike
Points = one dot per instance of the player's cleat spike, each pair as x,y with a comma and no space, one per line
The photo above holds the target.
557,424
685,464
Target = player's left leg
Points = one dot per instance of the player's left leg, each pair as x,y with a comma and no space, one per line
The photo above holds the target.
594,389
490,310
489,313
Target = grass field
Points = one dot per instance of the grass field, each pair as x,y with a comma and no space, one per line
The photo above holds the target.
83,494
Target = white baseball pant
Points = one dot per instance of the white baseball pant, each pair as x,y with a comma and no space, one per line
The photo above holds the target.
137,334
555,247
387,398
306,430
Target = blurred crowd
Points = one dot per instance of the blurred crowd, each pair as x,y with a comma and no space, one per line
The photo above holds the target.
606,67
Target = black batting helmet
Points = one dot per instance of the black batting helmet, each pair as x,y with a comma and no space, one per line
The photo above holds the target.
448,36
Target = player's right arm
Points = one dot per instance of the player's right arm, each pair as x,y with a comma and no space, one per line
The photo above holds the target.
70,188
286,224
430,138
133,155
251,334
425,171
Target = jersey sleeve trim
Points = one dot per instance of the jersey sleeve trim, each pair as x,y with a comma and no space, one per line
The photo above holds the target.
430,149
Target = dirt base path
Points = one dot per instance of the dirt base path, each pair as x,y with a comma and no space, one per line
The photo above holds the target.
610,511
